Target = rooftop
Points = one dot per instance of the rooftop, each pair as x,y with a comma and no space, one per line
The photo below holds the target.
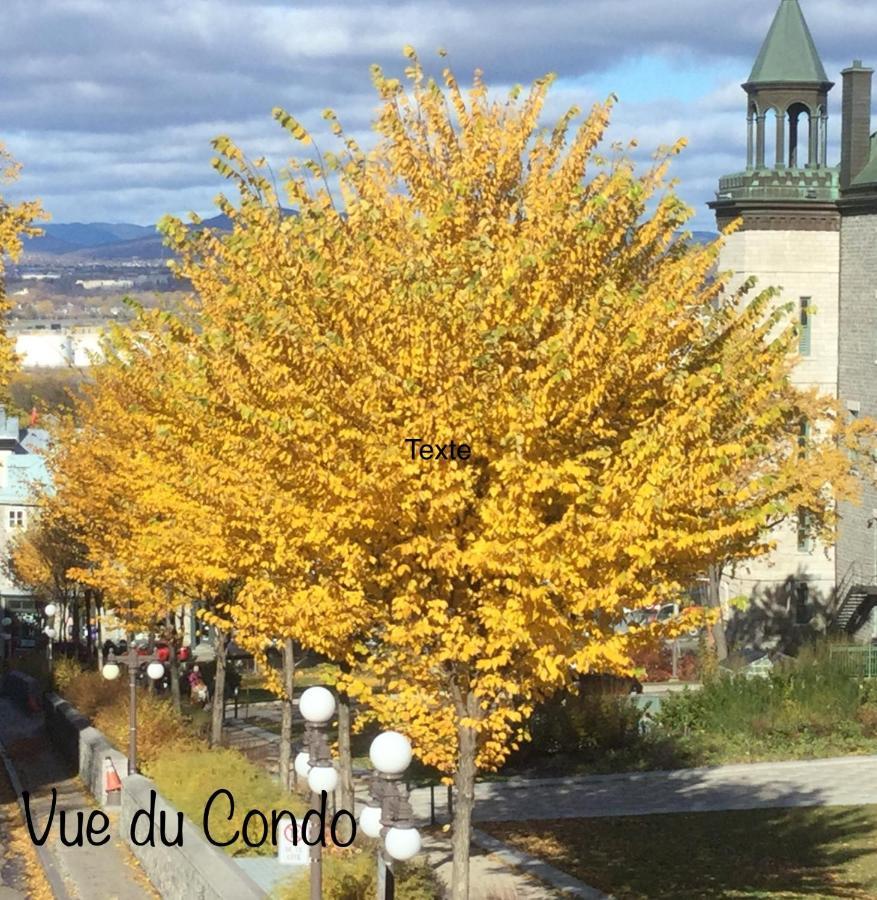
788,52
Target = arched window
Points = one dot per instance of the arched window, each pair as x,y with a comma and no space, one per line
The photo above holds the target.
770,138
801,148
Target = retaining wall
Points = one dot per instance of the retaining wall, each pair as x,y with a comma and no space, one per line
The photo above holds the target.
195,871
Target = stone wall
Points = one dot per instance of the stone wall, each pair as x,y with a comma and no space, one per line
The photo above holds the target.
857,539
800,264
197,870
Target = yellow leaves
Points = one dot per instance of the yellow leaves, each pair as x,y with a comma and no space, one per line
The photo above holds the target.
465,281
292,125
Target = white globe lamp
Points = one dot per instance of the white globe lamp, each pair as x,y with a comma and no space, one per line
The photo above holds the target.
402,843
390,753
370,821
317,705
302,764
50,633
155,670
322,778
50,610
110,671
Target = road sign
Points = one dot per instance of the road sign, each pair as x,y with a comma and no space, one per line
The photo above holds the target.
290,853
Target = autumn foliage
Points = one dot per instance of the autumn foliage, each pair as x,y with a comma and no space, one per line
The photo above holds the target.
473,277
16,222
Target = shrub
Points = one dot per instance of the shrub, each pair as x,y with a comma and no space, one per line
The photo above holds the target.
583,724
656,664
159,725
90,691
187,777
867,718
64,671
808,697
353,876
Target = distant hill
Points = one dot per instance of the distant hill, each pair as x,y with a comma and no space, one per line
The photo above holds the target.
94,241
106,241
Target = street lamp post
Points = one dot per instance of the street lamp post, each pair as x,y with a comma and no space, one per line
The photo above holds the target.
7,637
317,706
133,660
49,612
389,816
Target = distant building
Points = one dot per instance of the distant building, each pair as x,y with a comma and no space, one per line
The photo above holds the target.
93,284
22,468
49,344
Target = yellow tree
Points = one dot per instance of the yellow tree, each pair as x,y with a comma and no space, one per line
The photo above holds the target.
122,469
274,500
43,558
498,399
15,223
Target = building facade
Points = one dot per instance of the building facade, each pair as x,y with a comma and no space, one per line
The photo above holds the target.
809,229
22,469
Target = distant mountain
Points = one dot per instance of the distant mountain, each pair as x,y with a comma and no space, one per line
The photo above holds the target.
96,241
106,241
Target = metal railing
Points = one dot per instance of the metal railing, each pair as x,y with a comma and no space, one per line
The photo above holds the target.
858,661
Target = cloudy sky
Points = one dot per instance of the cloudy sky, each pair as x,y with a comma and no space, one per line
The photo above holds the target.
111,104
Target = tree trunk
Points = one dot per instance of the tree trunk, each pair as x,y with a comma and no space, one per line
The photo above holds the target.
89,635
715,602
220,646
284,761
345,765
77,625
464,783
173,646
99,636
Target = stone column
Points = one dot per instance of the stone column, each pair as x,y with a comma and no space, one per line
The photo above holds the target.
749,141
759,141
813,149
781,140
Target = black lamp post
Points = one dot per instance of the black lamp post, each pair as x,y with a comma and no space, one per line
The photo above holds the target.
389,816
133,660
49,611
6,621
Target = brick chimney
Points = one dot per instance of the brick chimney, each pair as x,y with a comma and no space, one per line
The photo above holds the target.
855,140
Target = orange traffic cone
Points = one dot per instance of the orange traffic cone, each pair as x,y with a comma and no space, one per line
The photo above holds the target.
112,782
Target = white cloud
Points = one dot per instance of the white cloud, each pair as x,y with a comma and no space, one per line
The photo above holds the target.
110,104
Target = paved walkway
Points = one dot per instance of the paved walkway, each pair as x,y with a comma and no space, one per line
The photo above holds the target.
845,781
108,872
12,877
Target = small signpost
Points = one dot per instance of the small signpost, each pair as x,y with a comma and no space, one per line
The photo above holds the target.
290,853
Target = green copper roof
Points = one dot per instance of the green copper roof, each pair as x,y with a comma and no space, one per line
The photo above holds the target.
868,175
788,52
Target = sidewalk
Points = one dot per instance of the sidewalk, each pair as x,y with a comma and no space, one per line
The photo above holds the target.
842,781
108,872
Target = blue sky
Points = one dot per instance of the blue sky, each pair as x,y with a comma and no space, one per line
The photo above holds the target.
111,104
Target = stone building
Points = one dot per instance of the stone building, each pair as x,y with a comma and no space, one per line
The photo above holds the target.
810,229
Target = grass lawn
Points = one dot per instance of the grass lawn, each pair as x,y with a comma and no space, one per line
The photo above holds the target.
817,852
